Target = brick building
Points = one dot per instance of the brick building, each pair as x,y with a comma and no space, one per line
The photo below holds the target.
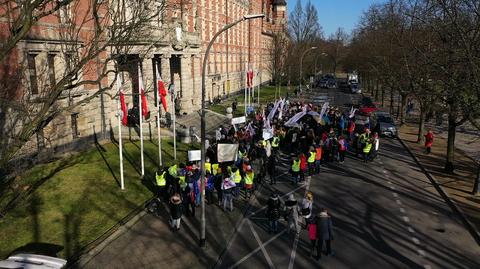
176,45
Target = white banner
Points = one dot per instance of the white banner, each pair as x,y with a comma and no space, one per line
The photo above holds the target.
281,108
239,120
291,122
194,155
274,110
324,109
267,134
227,152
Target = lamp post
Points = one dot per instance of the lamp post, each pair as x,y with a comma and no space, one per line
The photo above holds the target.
301,63
316,58
202,118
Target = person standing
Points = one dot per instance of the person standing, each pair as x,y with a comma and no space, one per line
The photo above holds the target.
312,234
376,146
324,232
249,176
303,166
271,163
227,188
428,141
366,150
311,161
318,158
342,148
295,170
291,214
176,211
273,212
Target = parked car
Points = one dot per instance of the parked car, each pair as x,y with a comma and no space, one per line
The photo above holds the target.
33,261
331,83
385,124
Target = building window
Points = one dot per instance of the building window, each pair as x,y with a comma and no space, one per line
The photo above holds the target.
51,69
33,72
74,118
40,139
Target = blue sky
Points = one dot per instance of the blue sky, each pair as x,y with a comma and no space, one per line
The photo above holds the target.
337,13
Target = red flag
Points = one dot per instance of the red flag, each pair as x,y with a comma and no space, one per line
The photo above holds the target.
124,109
162,92
249,78
144,105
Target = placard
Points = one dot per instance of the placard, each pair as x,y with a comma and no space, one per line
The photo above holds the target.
239,120
194,155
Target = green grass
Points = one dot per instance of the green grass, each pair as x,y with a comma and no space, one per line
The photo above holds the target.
78,199
267,95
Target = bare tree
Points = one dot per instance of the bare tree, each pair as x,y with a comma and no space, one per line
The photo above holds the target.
303,24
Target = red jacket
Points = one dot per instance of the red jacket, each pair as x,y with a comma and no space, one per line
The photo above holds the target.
303,162
428,140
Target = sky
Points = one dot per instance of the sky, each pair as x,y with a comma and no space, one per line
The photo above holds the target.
337,13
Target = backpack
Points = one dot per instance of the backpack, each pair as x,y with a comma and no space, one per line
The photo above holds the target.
305,211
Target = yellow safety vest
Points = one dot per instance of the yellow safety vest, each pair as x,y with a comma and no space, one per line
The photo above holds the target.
182,182
264,143
215,168
172,170
367,147
161,182
296,166
208,167
249,177
237,178
275,142
311,159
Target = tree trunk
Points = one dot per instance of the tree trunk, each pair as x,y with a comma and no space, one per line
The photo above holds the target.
421,126
383,96
476,188
376,90
391,102
452,128
403,103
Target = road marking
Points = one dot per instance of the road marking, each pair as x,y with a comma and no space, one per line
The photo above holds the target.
395,194
389,182
421,253
267,257
398,202
297,235
257,249
416,241
410,229
406,219
402,210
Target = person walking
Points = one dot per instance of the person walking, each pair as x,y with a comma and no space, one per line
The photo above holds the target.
306,207
176,211
295,170
324,233
249,176
376,146
311,161
291,214
366,150
318,158
273,212
342,148
429,141
312,235
227,187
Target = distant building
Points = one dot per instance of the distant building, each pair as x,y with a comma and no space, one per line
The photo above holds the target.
176,48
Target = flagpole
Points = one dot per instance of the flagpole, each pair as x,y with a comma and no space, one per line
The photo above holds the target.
246,86
159,133
174,118
120,144
140,88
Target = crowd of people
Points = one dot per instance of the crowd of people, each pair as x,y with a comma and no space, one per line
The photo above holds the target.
320,136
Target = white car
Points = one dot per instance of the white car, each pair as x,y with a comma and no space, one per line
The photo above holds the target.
32,261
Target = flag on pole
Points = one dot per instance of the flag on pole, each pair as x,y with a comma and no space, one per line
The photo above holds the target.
162,92
274,110
142,95
250,78
123,106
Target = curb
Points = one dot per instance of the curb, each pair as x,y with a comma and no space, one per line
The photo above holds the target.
96,246
472,229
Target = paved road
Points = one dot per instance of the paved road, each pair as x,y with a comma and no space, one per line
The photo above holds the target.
386,214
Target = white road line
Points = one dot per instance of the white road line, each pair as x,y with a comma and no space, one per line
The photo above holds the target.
389,182
402,210
416,241
398,202
267,257
297,235
421,253
406,219
257,249
410,229
395,194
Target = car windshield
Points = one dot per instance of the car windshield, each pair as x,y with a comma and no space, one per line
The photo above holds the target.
384,118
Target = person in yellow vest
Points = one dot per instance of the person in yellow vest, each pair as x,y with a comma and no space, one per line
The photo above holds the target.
237,179
311,161
275,144
295,170
249,176
215,169
172,179
367,149
161,184
208,166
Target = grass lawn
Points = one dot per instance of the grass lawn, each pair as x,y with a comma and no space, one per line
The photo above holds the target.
78,199
267,95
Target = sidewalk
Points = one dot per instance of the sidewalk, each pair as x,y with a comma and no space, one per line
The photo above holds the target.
459,185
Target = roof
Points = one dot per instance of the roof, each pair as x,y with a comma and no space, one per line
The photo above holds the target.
279,2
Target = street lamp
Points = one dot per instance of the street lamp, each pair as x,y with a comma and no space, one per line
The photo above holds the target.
301,62
323,54
202,118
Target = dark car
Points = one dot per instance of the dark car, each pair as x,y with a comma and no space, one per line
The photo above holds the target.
355,88
385,124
